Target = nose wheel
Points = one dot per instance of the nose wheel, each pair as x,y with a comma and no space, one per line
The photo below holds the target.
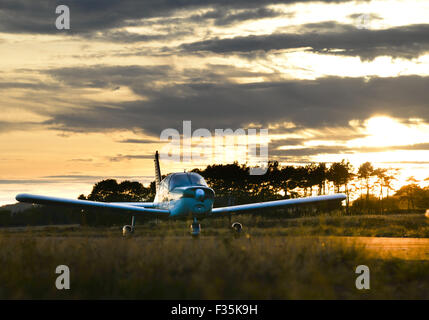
195,228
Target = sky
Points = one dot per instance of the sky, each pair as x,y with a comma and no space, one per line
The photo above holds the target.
330,80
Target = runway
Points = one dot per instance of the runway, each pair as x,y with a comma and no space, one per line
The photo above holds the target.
383,247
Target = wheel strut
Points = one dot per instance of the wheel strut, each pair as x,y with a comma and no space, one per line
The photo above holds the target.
195,228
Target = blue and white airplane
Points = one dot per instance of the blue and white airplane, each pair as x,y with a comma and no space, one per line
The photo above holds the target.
178,194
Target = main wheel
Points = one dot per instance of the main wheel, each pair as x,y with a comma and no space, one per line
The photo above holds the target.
237,227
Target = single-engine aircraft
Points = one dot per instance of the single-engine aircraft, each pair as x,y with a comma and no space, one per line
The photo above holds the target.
178,194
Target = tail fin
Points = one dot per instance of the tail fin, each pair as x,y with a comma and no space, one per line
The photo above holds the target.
157,171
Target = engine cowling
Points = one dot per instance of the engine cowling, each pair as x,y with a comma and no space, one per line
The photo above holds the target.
237,227
127,230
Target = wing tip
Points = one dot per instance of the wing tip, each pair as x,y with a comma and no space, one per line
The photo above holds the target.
22,197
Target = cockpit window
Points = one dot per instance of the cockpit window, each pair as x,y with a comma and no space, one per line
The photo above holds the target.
186,179
197,179
179,180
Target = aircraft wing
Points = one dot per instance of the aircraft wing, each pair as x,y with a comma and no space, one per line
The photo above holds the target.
136,204
278,203
121,207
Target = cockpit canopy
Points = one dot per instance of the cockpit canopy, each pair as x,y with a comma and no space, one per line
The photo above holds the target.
176,180
183,179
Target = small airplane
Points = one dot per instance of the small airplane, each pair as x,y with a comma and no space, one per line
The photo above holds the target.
178,194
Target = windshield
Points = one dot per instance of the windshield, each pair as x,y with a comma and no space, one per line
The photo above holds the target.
197,179
186,179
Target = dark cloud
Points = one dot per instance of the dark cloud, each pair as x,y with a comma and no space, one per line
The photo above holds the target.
223,16
128,37
418,146
312,151
324,135
274,152
26,85
28,16
6,126
143,80
140,141
405,41
101,76
287,142
325,102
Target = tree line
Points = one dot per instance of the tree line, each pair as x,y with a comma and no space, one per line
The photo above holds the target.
370,189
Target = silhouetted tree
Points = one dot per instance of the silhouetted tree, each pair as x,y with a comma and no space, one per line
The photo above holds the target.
340,173
288,179
415,196
365,172
127,191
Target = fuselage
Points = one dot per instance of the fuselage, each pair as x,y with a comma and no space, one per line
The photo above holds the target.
184,193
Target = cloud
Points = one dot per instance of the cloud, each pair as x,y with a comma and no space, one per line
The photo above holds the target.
223,16
121,157
330,101
6,126
418,146
26,181
26,85
129,37
142,141
210,98
296,153
69,179
102,76
310,151
28,16
407,42
81,160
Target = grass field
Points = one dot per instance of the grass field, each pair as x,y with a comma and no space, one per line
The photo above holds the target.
273,259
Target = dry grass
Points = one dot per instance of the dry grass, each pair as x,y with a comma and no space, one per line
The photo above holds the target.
208,268
403,225
162,261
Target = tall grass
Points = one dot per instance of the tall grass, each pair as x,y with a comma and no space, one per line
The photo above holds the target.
404,225
208,268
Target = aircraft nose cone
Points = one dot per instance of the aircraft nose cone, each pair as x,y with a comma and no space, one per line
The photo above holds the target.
199,194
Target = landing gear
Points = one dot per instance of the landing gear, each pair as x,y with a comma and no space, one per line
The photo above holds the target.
195,228
128,230
237,227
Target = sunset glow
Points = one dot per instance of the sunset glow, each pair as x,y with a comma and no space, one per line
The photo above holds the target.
91,103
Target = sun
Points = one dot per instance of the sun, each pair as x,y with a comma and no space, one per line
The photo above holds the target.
385,131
